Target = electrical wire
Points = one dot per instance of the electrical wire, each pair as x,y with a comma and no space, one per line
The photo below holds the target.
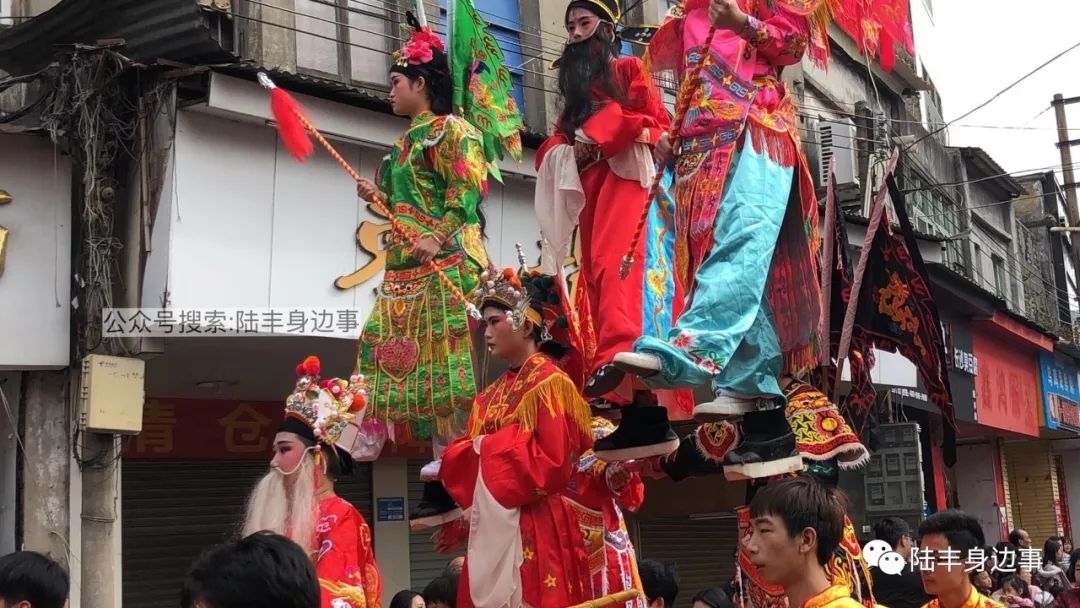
521,46
995,96
360,46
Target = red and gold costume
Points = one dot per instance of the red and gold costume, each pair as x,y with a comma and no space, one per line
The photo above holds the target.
974,600
612,560
323,413
345,563
836,596
525,435
603,188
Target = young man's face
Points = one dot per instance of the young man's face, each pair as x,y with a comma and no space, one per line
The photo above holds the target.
945,576
779,558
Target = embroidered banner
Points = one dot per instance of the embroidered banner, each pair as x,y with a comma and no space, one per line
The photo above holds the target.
877,26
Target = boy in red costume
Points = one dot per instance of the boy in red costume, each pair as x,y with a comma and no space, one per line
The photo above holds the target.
512,467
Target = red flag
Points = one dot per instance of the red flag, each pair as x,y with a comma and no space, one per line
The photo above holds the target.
877,27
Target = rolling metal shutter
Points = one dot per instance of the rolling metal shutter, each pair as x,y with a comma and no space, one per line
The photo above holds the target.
702,550
424,563
175,510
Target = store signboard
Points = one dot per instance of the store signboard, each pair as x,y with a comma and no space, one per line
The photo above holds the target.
1060,392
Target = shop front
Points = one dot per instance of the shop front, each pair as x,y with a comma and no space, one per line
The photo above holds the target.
1007,407
242,228
1061,415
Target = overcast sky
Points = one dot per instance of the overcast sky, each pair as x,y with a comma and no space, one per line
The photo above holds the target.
979,47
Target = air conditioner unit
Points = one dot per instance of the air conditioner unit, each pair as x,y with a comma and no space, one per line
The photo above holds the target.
838,142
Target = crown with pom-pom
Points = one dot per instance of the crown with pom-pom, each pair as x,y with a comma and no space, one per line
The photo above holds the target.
422,44
327,406
506,289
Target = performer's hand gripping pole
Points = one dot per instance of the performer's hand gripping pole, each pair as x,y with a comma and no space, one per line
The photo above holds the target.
682,104
292,124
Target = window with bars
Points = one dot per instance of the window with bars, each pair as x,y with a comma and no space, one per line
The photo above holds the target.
345,40
1000,283
504,23
352,40
935,214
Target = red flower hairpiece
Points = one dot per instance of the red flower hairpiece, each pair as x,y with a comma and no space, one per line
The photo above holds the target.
421,46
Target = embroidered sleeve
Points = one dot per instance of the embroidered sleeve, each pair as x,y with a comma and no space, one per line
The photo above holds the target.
382,177
456,154
530,458
342,562
781,39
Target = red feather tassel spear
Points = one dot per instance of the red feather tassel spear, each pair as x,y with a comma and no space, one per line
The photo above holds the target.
290,120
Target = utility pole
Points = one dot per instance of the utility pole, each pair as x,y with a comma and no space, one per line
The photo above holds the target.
1065,148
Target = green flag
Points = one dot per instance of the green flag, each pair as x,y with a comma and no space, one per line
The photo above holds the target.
482,84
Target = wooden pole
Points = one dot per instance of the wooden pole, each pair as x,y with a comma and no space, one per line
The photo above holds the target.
610,600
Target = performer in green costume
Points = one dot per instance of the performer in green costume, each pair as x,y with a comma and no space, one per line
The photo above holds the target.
416,348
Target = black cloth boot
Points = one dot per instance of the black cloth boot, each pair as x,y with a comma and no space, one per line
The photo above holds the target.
435,508
643,432
688,461
768,448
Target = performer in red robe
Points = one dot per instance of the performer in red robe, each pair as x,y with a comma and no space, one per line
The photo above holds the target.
594,172
599,491
296,498
525,435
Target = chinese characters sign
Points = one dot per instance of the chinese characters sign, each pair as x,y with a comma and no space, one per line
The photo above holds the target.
209,429
1061,393
1006,388
205,429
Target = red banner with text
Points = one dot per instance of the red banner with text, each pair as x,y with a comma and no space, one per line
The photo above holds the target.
1007,387
208,429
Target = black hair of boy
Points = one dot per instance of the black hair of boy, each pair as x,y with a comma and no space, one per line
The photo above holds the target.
26,576
659,581
260,570
801,503
713,597
442,589
963,531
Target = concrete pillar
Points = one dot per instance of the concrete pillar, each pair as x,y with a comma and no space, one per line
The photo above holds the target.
273,42
10,383
389,479
46,426
100,520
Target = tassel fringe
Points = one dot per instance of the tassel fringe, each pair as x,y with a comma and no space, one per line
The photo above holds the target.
558,395
779,146
287,113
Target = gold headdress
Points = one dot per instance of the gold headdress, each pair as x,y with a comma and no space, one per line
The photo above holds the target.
508,289
326,408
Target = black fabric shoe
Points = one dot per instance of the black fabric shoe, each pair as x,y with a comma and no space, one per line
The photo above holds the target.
768,450
603,381
435,508
688,461
643,432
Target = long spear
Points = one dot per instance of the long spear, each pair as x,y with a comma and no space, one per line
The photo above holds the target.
293,127
682,104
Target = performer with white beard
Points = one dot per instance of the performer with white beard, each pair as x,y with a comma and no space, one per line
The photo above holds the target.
296,498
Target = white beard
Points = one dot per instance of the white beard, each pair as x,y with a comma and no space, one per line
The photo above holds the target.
270,506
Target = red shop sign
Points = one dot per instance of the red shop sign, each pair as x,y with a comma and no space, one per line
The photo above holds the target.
1007,387
207,429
